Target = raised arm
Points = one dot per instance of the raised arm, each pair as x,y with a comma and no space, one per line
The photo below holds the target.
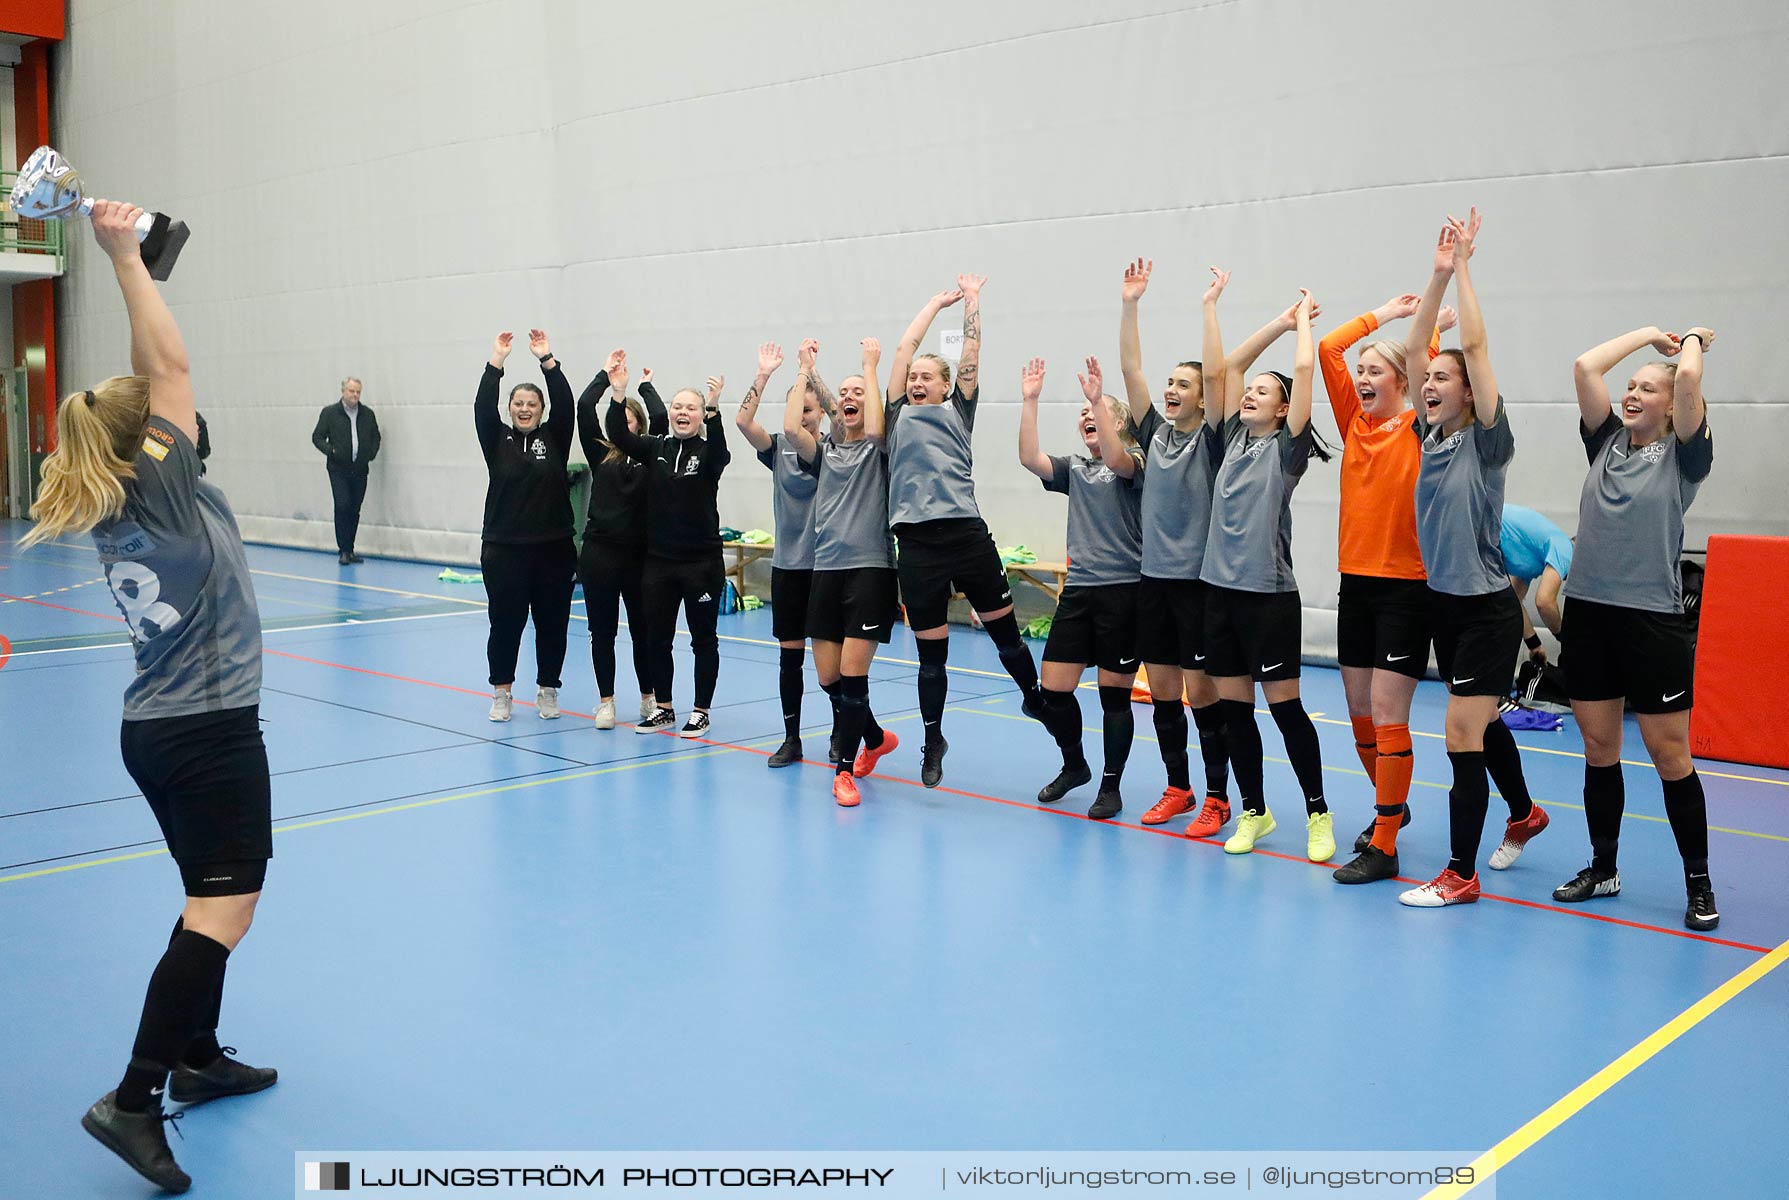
658,419
156,348
1428,312
590,429
1687,409
1031,385
1332,354
1130,341
716,456
562,407
1304,366
484,403
1472,324
770,357
1211,354
1112,450
875,417
1236,366
915,335
636,447
969,362
829,403
807,449
1598,361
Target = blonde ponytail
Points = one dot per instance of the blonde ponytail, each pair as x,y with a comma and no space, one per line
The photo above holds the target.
98,433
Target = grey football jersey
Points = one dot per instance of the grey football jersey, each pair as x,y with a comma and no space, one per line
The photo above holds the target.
175,563
1105,521
851,506
1630,516
1249,547
1178,473
792,504
930,460
1459,504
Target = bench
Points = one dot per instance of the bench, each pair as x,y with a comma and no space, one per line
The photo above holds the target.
1049,577
744,554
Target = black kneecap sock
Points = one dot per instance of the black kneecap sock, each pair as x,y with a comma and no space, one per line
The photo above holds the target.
1213,749
854,706
790,686
1244,739
1504,761
1015,655
1170,738
1467,802
1605,797
180,996
1687,809
934,685
1118,728
1302,748
1064,723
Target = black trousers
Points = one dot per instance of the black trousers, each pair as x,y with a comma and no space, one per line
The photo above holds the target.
697,587
612,576
348,484
533,580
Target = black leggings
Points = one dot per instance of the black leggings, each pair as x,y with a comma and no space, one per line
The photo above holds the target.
697,587
612,576
522,581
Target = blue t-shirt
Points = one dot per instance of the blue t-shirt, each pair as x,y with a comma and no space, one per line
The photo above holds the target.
1532,543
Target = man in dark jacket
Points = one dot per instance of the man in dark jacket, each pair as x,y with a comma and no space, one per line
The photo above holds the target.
348,435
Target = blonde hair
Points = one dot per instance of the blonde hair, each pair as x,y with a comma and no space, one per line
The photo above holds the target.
1393,353
639,411
1121,417
83,480
943,366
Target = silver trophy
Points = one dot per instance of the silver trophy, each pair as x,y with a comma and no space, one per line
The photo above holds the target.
49,187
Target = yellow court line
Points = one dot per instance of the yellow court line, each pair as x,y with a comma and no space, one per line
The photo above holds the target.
1192,743
368,587
1575,1101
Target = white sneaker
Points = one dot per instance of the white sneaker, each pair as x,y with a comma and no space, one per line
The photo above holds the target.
695,727
605,714
648,706
546,704
501,704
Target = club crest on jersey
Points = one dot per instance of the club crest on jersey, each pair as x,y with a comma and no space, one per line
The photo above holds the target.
539,450
1653,452
692,466
1258,447
1101,473
1453,442
1388,426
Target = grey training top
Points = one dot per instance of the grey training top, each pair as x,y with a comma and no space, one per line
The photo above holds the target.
1630,516
851,505
1249,547
1105,521
178,573
793,506
1459,504
1177,477
929,460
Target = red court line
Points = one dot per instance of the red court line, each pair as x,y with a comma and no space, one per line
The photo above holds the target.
5,650
1072,815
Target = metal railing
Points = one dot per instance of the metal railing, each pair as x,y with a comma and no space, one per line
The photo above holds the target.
24,235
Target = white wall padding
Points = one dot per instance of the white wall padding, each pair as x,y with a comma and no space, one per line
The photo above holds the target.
376,188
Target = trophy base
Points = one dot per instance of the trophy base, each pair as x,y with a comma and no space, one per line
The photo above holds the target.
162,245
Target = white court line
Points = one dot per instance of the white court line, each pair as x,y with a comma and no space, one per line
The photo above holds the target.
264,633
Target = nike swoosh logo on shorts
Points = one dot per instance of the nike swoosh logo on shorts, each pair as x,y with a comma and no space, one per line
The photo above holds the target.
1671,697
1125,662
1468,679
1275,667
870,627
1396,657
1198,658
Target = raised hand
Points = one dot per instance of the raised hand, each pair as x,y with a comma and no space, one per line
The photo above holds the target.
500,348
646,375
1400,307
617,358
770,357
872,350
1136,280
1093,386
115,229
1031,381
1220,279
970,285
537,344
1444,251
1701,331
618,373
1465,234
946,299
1289,318
715,383
807,353
1447,318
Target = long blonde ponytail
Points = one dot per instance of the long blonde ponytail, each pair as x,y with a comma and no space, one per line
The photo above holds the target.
98,435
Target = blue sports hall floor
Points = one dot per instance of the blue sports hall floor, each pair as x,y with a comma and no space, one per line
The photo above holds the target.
542,936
